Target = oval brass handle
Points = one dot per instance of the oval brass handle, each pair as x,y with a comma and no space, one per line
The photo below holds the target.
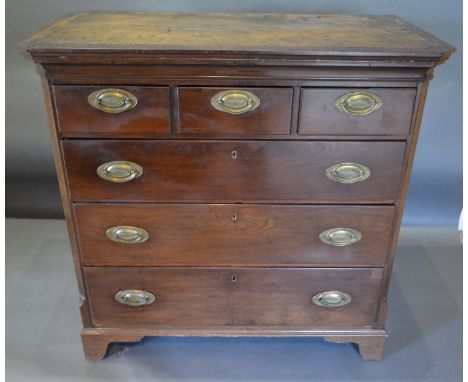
348,172
235,101
135,297
358,103
112,100
331,299
127,234
119,171
340,237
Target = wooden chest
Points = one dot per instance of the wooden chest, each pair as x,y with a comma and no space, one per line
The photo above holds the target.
234,174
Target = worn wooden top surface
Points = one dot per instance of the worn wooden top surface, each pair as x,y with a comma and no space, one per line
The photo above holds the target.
253,33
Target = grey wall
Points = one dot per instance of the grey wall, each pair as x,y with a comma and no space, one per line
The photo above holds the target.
435,195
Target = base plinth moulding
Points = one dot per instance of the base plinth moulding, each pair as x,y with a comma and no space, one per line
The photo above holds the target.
96,340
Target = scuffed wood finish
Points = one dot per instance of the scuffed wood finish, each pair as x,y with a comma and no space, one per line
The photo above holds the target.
96,340
191,171
234,204
381,36
95,344
371,347
319,116
235,75
201,297
83,301
198,117
75,115
400,206
233,235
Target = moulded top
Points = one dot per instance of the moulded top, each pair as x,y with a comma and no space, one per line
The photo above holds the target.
250,34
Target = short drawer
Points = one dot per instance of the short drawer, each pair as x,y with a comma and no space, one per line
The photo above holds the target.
352,111
197,297
235,111
111,110
233,235
325,172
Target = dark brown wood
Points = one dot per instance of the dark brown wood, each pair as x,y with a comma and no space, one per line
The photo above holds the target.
222,75
262,171
199,118
400,205
150,117
67,204
95,340
95,344
233,235
371,348
235,296
319,116
383,37
255,274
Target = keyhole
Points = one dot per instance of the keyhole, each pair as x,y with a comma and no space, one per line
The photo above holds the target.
234,217
234,278
234,154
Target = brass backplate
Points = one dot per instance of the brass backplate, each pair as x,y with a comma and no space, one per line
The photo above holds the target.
358,103
235,101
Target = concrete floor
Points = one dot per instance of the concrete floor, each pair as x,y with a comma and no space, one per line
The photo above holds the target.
42,324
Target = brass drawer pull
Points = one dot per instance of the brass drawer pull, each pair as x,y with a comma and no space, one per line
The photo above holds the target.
235,101
119,171
358,103
127,234
348,172
331,299
112,100
134,297
340,237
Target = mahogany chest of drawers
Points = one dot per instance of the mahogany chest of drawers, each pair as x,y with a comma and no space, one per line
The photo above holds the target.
234,174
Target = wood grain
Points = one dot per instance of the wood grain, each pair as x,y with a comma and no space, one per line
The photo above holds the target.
66,203
95,344
197,116
223,75
370,347
370,341
400,205
255,32
150,117
232,235
238,296
319,116
254,275
206,171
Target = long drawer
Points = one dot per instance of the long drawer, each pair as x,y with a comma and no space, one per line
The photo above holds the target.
197,297
322,172
233,235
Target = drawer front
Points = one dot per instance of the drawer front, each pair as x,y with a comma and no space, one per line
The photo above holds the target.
235,171
128,110
197,297
233,235
367,111
223,111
